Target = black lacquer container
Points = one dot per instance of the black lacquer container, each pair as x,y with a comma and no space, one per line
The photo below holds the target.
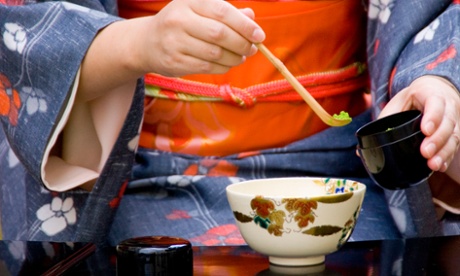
155,255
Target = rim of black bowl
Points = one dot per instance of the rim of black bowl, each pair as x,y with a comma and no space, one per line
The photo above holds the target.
389,129
393,142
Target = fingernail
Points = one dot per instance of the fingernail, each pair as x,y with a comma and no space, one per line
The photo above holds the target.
429,128
438,162
430,149
258,35
444,167
253,50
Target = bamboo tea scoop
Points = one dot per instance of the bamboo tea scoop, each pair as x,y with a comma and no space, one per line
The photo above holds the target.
331,120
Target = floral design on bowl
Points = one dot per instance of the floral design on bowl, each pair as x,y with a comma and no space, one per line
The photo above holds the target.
271,214
337,186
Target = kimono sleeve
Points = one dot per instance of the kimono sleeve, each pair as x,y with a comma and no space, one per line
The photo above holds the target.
407,40
41,49
402,44
434,50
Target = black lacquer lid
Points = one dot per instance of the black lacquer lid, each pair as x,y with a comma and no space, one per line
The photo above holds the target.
155,255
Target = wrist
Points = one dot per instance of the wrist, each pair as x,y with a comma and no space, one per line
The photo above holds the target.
111,61
441,79
453,171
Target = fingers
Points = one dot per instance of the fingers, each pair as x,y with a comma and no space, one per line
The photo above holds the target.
440,124
398,103
201,36
440,104
224,25
248,12
241,21
211,52
219,43
188,55
442,139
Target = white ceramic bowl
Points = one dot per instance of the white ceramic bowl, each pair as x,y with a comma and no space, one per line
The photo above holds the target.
296,221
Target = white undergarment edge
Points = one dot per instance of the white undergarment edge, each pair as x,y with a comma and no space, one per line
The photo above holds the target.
56,174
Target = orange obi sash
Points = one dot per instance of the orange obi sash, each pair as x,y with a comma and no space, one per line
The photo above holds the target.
252,107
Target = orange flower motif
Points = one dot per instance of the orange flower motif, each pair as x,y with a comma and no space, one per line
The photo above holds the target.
227,234
12,2
191,170
211,167
115,202
223,168
376,46
392,76
262,206
248,154
449,53
178,214
304,210
10,102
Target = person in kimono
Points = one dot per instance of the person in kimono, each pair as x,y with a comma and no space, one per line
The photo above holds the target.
132,125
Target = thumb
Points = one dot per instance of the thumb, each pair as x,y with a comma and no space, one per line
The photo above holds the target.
397,104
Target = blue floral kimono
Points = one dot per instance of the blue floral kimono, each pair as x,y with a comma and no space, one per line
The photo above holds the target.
146,192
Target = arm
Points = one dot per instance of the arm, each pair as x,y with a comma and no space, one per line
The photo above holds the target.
416,67
439,101
38,70
186,37
420,64
61,125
